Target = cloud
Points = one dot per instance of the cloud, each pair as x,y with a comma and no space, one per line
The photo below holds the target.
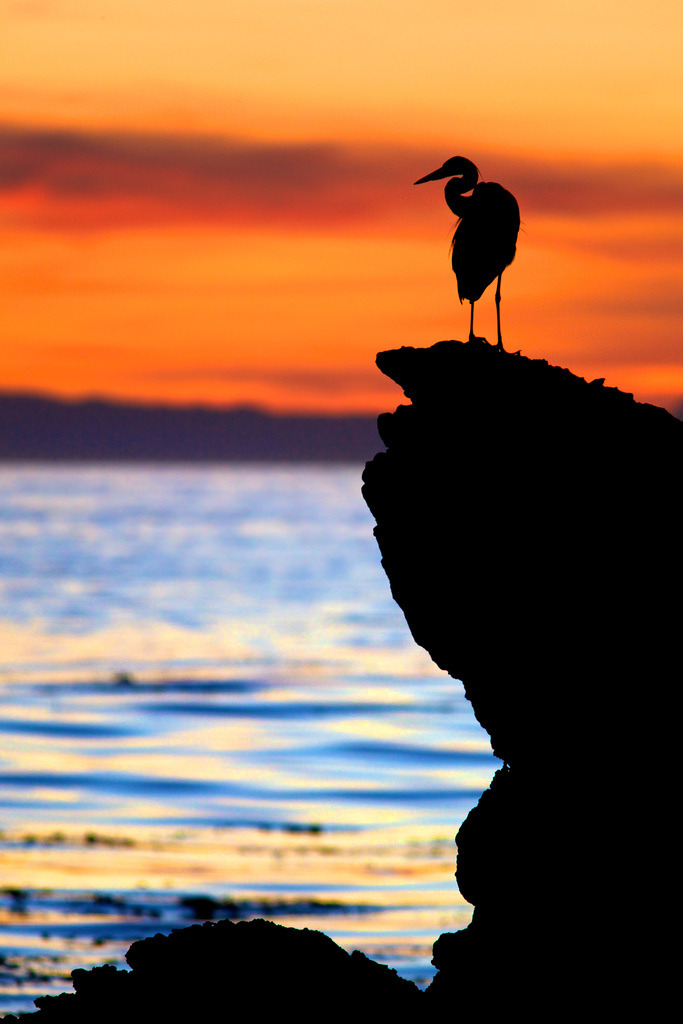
590,189
645,246
79,180
328,380
658,302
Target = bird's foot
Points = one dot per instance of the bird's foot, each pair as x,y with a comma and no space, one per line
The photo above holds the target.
499,348
481,341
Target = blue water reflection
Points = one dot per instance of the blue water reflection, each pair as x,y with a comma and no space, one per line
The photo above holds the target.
216,648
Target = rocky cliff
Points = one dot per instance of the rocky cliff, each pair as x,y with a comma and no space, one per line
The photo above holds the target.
530,526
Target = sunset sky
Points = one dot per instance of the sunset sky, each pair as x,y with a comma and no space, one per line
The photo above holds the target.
211,201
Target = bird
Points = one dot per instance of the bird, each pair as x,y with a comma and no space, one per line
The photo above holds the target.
485,236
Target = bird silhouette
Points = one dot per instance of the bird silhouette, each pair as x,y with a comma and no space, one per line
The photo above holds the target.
486,234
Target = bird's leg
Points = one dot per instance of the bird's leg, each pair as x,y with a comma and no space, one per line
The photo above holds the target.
499,346
500,336
472,336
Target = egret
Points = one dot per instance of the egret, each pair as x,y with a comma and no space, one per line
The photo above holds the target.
486,234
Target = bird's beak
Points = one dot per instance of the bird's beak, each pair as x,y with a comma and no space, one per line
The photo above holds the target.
434,176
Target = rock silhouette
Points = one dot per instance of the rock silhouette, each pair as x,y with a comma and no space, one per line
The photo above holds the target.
249,970
530,527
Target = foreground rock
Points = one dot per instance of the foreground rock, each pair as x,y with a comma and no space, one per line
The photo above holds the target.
530,527
251,970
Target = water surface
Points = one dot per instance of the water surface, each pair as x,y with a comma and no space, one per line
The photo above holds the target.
212,707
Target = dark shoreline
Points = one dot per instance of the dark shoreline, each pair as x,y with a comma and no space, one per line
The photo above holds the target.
38,429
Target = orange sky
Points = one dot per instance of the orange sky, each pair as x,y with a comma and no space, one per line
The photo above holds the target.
210,201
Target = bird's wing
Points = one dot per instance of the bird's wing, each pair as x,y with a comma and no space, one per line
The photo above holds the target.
485,240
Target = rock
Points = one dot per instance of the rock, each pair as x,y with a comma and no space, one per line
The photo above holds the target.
253,970
530,526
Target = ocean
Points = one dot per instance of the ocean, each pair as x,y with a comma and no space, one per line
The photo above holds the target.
212,707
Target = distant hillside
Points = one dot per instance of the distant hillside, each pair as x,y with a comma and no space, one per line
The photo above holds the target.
33,428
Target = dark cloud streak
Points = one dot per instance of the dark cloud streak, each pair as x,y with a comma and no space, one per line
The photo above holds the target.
330,380
78,180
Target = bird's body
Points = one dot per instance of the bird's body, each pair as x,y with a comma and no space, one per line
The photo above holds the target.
485,238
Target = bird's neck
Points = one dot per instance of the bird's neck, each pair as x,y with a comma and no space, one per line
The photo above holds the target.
455,199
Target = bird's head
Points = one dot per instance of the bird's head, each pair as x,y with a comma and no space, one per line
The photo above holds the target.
456,167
